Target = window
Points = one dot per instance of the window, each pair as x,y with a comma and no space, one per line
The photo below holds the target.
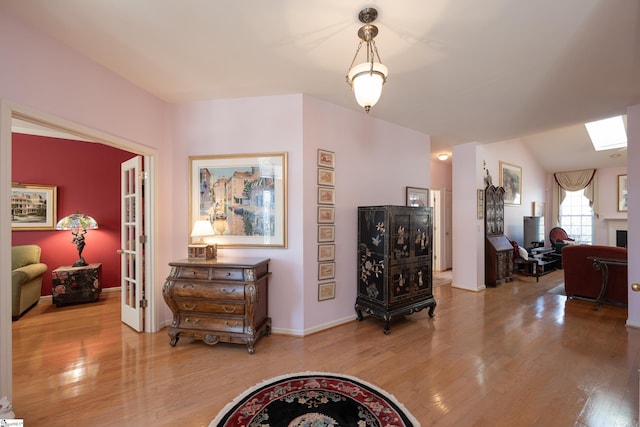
576,217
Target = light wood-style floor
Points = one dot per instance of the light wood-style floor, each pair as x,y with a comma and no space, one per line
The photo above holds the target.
514,355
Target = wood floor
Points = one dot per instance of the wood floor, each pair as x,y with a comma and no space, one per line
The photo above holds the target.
514,355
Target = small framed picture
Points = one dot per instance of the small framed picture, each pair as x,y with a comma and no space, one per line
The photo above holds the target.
326,233
326,177
326,270
537,208
622,193
326,214
511,180
480,203
326,196
326,291
326,159
417,197
33,206
326,252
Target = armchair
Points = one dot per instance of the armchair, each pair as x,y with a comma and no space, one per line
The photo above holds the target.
558,235
26,278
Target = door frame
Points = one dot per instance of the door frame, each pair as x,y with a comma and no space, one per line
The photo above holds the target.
8,111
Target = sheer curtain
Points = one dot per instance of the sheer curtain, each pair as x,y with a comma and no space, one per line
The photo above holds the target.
573,181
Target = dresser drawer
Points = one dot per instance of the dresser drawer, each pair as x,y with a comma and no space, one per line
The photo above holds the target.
193,273
227,274
210,290
187,306
213,324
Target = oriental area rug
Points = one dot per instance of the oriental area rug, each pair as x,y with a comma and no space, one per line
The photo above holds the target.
314,399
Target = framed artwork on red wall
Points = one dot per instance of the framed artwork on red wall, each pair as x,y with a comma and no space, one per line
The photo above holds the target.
33,207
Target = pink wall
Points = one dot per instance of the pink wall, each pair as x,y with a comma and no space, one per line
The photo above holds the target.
534,182
375,162
441,174
88,179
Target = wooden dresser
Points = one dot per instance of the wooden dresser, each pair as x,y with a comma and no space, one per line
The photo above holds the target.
395,262
219,300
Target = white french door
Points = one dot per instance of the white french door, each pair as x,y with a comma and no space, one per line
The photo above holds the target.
132,244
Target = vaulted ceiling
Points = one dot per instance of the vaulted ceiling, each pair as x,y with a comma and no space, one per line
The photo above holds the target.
459,70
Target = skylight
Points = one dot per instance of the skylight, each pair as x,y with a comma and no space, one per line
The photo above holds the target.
607,134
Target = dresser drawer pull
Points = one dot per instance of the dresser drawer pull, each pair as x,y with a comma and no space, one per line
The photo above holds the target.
195,322
234,325
188,307
188,285
229,291
229,310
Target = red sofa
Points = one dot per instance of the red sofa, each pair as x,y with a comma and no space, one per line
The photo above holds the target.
581,279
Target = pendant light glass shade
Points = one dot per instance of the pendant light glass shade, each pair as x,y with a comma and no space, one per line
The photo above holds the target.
367,80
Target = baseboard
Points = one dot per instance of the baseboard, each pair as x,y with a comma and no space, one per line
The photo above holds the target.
633,324
104,291
315,329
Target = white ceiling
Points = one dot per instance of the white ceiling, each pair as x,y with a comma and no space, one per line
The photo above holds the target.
459,70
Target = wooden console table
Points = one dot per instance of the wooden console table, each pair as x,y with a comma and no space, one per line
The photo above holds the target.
603,264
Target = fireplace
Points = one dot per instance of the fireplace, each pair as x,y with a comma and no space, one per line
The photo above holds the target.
617,232
621,238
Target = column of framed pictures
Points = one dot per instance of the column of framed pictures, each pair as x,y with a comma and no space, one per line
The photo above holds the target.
326,224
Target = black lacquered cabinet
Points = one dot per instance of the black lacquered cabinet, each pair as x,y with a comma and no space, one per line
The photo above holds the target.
394,262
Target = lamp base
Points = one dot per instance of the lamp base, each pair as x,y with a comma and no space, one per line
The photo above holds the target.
203,251
80,262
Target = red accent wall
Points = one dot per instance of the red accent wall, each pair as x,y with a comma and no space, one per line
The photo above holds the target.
88,179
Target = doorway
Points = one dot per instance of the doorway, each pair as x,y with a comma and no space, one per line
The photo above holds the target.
442,230
7,114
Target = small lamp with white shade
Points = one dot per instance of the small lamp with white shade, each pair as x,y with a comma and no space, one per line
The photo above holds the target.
202,249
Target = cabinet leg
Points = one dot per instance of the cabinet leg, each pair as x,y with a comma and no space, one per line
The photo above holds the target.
251,348
359,314
431,310
386,329
267,331
174,338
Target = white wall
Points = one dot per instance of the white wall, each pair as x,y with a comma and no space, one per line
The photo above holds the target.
534,187
375,161
633,237
607,203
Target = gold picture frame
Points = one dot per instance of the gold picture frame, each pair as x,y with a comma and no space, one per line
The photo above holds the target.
326,214
537,208
511,181
326,177
326,233
326,196
326,252
326,291
33,207
326,158
326,270
244,196
622,194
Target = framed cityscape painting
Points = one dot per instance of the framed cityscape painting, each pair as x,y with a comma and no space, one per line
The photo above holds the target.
244,196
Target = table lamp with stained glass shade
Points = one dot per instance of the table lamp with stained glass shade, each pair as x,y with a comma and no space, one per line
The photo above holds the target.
201,249
78,223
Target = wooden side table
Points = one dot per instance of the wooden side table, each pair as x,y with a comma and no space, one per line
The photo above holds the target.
72,285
